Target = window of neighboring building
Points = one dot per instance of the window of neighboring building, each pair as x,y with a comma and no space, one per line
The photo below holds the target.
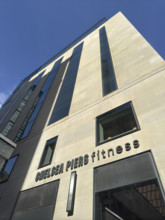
16,114
7,168
12,104
21,105
116,123
48,152
32,115
27,96
7,128
24,124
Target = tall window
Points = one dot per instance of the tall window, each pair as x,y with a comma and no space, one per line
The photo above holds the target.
63,103
45,89
13,102
116,123
26,98
18,111
109,83
7,168
48,152
24,124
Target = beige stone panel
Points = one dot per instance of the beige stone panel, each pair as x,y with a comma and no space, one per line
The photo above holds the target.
77,133
133,57
66,149
83,205
84,195
88,87
61,202
75,137
76,142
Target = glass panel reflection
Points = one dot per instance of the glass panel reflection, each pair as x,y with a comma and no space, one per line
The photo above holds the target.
7,168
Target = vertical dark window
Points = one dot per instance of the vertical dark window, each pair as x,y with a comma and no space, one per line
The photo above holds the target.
11,96
109,83
7,168
12,104
24,124
47,155
62,105
35,83
18,111
37,105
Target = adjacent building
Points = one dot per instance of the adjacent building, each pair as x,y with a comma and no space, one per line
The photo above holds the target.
88,132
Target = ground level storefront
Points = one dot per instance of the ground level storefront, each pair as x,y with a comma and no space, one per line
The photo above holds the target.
125,189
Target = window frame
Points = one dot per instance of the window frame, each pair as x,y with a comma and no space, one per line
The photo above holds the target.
48,142
117,109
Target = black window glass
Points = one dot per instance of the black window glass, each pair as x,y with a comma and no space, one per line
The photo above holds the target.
21,105
32,115
7,128
29,93
109,83
13,103
16,114
24,124
48,152
7,168
117,122
63,103
37,203
10,97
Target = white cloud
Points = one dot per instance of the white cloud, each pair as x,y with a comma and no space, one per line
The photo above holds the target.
3,97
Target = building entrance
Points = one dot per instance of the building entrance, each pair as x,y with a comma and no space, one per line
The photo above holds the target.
127,190
136,202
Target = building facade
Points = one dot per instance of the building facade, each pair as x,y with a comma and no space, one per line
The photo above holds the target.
89,132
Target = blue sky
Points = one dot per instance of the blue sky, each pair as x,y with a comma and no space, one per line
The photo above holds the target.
32,31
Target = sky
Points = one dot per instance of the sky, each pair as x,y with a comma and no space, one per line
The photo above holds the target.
32,31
